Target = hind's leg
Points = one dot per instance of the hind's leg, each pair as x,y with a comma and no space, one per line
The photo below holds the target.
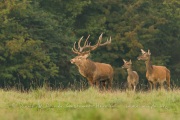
129,86
168,85
134,87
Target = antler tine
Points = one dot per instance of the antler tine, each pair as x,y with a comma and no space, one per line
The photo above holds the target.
76,52
79,42
74,49
106,43
85,43
98,43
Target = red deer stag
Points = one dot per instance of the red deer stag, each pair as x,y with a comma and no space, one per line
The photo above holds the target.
133,77
155,74
95,72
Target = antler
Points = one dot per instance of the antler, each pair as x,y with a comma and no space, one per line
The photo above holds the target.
99,42
80,51
87,45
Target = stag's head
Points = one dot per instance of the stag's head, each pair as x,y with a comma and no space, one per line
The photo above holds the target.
145,55
79,59
84,51
127,64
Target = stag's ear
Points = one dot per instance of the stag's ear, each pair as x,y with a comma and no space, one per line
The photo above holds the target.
86,55
149,52
124,61
130,61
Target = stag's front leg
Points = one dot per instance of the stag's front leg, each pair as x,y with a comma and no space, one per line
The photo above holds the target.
161,85
90,81
97,84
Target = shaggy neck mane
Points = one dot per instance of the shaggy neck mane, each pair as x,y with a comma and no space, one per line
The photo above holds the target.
149,66
87,68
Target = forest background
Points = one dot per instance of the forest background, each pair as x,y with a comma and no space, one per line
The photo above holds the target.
36,37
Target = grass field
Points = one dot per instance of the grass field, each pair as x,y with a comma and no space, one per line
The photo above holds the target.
89,104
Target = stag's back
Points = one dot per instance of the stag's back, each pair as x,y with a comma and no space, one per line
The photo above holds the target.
104,70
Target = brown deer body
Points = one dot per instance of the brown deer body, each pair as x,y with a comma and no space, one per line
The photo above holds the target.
155,74
133,77
95,72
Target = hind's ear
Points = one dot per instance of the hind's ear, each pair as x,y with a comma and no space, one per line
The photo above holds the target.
130,61
142,51
86,55
124,61
149,52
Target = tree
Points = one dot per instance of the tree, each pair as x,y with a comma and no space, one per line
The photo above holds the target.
24,59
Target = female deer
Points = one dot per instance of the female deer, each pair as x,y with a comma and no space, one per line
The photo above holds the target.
155,74
133,77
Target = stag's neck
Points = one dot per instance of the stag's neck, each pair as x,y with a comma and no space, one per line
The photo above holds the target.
87,68
87,64
149,66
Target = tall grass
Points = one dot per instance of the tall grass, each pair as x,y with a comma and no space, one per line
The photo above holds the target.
89,104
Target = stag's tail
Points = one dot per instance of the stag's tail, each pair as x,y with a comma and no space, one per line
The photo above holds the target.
168,77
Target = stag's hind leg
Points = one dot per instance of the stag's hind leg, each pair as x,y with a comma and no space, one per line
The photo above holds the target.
109,83
168,84
104,85
168,76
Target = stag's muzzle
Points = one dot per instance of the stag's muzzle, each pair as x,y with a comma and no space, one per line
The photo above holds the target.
72,61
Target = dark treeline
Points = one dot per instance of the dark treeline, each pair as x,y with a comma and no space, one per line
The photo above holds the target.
36,37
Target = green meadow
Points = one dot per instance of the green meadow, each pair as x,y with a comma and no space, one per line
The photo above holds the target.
90,104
